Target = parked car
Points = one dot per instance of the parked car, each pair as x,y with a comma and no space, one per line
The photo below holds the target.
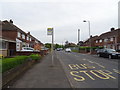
27,49
58,49
118,50
109,53
67,50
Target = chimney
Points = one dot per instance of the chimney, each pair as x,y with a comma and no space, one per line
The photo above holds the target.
28,33
90,36
112,29
11,21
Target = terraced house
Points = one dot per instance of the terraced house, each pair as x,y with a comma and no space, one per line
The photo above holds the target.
109,39
21,38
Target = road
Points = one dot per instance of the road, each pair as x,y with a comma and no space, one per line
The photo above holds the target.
89,71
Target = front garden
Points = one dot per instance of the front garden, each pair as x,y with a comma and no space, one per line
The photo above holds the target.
9,63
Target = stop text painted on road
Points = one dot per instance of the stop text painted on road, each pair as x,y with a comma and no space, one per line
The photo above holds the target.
82,70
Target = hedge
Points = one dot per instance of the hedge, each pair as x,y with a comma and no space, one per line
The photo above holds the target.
87,48
9,63
35,57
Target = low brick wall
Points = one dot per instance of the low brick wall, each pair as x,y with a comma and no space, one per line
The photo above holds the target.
4,52
10,75
42,52
85,51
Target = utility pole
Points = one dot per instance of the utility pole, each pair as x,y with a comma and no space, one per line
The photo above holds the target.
89,36
78,35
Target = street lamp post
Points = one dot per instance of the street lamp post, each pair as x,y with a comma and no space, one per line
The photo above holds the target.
89,35
78,35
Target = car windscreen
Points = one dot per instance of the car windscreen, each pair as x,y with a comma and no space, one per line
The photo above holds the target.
111,50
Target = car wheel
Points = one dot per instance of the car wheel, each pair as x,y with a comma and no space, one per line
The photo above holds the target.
99,55
110,56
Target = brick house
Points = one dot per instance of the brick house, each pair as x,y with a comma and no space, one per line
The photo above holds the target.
22,39
109,39
92,40
7,46
119,14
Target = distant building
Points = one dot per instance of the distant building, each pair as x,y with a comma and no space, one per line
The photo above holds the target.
119,14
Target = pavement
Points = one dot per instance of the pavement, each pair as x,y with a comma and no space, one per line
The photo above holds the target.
44,75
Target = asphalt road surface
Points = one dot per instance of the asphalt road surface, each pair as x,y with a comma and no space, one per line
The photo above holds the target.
89,71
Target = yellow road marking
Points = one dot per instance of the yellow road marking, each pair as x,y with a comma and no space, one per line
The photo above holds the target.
94,72
115,70
107,73
72,66
85,72
77,77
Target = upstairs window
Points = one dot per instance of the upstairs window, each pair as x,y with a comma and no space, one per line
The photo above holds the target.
30,39
23,36
105,40
100,41
96,41
19,34
27,38
111,39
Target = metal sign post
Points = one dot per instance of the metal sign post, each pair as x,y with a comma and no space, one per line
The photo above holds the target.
50,32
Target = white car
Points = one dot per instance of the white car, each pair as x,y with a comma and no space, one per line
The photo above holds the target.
27,49
67,50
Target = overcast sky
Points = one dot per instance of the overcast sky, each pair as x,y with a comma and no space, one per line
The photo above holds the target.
65,16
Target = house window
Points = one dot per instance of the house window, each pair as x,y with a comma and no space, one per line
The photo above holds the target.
27,38
105,46
111,39
4,45
105,40
36,41
30,39
100,41
19,34
96,41
23,36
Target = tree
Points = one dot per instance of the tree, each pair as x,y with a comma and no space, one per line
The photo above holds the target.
48,45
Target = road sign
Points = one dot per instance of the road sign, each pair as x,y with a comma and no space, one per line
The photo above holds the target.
49,31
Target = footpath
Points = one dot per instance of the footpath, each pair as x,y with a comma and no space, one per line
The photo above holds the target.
42,75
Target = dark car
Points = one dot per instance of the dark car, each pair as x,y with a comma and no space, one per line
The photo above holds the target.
109,53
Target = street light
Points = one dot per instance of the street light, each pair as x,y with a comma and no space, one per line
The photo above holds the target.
78,35
89,34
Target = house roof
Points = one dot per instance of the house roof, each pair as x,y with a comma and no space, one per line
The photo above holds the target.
92,38
6,25
109,34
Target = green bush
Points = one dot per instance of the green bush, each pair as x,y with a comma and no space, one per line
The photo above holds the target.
75,51
88,48
8,63
35,57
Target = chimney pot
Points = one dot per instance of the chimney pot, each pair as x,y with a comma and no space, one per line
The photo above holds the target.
112,29
11,21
